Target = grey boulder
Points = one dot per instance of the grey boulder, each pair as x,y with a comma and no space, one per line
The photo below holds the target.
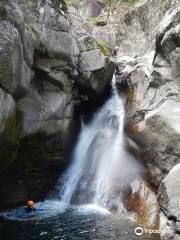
15,74
96,69
169,194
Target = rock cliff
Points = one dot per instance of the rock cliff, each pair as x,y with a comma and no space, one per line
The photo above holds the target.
148,61
42,62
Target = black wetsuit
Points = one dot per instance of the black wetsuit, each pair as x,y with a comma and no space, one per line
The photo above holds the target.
30,209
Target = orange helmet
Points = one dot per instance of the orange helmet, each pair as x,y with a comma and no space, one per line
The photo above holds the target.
30,203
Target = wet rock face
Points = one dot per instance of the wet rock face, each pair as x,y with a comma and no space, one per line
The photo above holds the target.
40,160
141,201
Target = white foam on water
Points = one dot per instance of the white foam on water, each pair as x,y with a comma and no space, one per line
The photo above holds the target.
92,208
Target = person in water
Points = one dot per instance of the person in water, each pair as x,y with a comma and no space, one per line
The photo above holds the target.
30,206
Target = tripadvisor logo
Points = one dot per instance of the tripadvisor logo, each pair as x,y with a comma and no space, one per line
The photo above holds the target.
140,231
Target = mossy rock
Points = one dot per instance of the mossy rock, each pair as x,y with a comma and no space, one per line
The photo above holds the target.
97,22
39,163
37,167
93,20
9,141
100,44
35,150
3,11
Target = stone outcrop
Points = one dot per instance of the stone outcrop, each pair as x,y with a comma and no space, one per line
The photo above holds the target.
14,71
88,8
149,73
153,93
98,20
139,27
94,63
169,194
42,59
167,228
141,202
8,131
169,199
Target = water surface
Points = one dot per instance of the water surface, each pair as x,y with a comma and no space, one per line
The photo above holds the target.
54,220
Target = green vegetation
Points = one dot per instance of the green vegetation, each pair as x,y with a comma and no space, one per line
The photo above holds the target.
2,10
93,20
11,130
10,140
101,45
39,163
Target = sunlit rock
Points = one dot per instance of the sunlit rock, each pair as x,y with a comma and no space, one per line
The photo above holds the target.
167,228
142,201
95,62
15,74
169,194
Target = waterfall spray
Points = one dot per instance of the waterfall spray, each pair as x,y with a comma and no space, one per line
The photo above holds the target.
99,159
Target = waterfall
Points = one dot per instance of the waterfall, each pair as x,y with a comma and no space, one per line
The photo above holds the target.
99,161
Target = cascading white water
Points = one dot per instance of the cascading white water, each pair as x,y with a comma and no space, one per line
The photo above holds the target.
99,159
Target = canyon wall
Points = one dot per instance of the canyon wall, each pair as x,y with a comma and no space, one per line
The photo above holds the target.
44,67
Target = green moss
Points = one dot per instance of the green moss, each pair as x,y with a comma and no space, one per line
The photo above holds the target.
2,10
97,22
37,157
100,44
10,141
39,163
11,130
93,20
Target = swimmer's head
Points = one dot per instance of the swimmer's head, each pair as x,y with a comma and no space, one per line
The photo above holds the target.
30,203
